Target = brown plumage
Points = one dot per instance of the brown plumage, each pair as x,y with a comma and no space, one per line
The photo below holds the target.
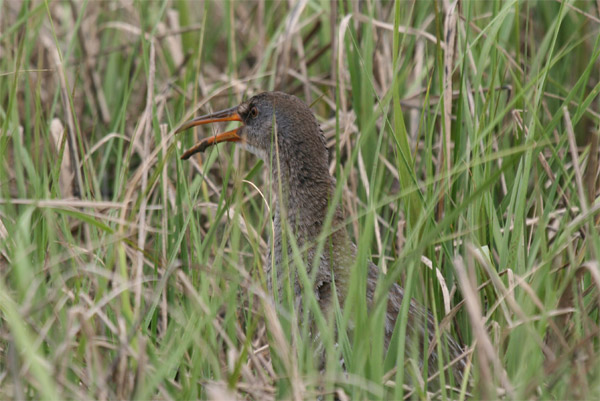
303,187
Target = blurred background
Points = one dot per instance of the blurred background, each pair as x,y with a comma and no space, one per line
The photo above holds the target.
464,136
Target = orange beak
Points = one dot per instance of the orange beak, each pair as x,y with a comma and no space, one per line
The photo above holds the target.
229,136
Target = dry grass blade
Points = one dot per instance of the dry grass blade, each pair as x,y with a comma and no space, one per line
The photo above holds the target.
3,232
450,28
401,29
218,391
593,167
145,128
593,267
575,159
57,131
485,350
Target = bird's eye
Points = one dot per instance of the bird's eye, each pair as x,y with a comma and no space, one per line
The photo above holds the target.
254,112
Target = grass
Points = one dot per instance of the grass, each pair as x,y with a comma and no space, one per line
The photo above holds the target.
463,137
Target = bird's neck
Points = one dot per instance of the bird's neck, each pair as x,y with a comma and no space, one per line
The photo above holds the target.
302,189
303,193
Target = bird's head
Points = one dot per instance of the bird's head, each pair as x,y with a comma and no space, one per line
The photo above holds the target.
264,117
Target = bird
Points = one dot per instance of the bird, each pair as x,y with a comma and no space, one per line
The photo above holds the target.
281,129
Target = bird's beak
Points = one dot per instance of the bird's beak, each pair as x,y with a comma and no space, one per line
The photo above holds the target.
229,136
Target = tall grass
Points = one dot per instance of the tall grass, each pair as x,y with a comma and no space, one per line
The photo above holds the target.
464,138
